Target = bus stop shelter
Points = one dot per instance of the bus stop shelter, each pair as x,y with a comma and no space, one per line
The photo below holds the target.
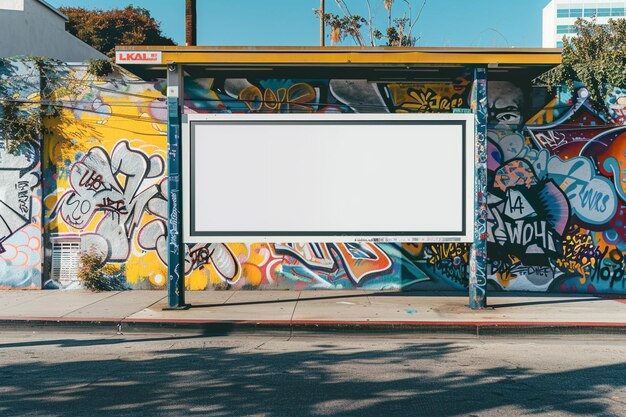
435,65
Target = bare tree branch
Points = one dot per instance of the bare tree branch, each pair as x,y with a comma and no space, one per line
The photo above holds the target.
370,22
417,18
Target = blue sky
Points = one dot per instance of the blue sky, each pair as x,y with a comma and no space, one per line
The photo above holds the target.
485,23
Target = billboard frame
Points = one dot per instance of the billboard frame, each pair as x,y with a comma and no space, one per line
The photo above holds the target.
465,234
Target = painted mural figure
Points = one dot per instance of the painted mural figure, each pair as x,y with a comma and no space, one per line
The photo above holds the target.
506,105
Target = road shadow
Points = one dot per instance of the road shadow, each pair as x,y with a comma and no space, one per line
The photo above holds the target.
546,302
331,295
69,343
537,299
322,379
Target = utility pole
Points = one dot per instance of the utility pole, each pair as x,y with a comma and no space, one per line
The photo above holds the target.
191,38
322,26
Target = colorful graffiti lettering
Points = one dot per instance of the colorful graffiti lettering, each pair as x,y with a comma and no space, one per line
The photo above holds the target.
450,259
428,98
360,261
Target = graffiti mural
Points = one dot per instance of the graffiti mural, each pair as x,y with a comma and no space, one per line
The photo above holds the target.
20,218
428,97
21,253
106,186
115,186
555,211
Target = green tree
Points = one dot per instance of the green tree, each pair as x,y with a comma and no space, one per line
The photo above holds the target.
105,29
33,92
596,57
398,30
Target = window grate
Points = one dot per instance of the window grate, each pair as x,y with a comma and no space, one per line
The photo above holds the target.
65,261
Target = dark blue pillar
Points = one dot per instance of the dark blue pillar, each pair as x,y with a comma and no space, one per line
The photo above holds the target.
175,270
478,254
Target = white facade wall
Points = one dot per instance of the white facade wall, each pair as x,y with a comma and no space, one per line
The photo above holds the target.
549,25
12,5
589,9
31,27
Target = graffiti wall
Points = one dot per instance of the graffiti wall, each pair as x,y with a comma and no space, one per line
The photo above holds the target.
104,176
556,207
21,255
325,265
556,204
556,217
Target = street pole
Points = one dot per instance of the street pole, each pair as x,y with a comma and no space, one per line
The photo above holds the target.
191,23
175,245
322,26
478,251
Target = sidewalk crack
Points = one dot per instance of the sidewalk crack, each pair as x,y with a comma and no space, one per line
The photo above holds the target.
293,313
262,344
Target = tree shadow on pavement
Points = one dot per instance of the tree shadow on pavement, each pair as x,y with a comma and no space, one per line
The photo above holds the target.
65,343
318,379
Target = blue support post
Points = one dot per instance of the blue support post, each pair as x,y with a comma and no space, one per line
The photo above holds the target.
478,252
175,270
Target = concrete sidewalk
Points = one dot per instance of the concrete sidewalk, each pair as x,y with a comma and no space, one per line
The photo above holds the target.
306,311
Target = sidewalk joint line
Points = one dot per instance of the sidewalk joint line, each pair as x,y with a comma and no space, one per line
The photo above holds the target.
143,308
229,297
41,294
90,304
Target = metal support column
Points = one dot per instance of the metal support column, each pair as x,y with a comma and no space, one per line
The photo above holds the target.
176,249
478,253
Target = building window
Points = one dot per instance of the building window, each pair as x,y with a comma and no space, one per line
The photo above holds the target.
564,29
576,13
591,12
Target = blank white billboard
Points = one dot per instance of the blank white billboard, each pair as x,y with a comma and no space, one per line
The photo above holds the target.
328,178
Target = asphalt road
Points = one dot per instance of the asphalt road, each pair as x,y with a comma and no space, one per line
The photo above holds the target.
77,374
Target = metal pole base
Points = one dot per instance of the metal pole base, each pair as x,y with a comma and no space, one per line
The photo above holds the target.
479,307
183,307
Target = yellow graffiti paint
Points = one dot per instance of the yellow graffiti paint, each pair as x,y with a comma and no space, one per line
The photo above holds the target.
429,98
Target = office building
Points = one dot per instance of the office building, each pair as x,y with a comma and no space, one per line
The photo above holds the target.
559,17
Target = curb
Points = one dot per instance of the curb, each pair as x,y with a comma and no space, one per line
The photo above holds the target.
311,327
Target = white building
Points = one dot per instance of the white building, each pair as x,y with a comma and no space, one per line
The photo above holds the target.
33,27
559,17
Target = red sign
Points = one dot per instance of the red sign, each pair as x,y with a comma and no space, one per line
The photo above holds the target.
138,57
